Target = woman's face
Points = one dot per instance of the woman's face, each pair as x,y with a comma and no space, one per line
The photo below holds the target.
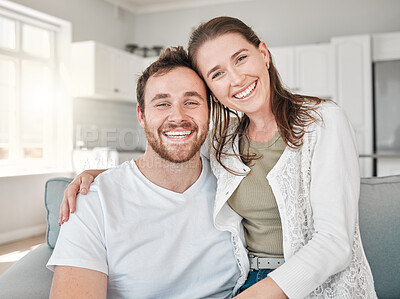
236,72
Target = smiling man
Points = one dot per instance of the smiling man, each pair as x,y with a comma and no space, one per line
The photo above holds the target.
145,229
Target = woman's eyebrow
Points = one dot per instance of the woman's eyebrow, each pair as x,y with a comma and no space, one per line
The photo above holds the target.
213,69
237,53
232,58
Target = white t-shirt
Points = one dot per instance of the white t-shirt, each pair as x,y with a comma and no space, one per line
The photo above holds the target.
151,242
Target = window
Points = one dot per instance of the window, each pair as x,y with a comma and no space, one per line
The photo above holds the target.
34,107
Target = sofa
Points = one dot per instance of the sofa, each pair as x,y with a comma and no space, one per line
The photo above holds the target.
379,225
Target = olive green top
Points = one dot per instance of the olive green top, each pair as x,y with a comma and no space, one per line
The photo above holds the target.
255,202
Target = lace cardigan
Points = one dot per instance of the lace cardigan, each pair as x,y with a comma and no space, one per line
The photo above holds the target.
317,189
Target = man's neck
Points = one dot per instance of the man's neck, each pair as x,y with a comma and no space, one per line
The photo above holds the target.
177,177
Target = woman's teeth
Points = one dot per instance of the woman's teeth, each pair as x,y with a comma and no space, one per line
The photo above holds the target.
180,134
246,93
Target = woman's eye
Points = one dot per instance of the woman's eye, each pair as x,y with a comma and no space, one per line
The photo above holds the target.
216,75
241,58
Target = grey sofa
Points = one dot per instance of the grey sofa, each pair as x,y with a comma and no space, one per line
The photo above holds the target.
379,225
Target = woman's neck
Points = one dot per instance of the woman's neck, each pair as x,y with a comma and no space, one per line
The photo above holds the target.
262,126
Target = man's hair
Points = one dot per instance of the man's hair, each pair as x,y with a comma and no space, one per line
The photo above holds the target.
169,59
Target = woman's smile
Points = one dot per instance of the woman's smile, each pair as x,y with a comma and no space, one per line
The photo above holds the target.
247,93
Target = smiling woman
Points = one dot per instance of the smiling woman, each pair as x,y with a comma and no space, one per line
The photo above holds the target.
278,160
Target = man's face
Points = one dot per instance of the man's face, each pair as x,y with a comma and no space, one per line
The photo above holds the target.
176,116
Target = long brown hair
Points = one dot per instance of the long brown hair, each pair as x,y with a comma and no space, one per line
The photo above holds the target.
292,112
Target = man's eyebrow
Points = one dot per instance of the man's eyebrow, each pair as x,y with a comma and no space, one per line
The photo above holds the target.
160,96
232,57
193,94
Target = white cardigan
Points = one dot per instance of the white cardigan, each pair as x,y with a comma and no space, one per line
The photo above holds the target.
317,189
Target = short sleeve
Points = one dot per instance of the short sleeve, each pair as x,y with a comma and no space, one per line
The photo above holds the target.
81,242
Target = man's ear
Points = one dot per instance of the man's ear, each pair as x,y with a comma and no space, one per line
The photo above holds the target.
262,47
140,116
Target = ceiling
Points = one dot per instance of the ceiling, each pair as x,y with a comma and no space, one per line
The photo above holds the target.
151,6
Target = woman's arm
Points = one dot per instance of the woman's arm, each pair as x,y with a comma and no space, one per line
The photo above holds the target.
80,184
334,193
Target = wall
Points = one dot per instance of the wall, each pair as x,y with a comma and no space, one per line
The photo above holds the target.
279,23
99,123
22,212
91,19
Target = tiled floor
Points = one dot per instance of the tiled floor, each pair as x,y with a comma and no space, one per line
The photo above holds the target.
12,252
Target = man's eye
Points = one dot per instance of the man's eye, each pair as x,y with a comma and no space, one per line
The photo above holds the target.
216,75
190,103
162,105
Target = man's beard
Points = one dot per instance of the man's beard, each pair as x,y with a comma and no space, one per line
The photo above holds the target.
176,153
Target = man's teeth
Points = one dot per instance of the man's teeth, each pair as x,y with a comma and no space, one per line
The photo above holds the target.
245,93
177,134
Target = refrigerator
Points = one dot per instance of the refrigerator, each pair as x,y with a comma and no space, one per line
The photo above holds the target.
386,82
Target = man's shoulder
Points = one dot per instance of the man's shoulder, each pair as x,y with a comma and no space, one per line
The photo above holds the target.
120,171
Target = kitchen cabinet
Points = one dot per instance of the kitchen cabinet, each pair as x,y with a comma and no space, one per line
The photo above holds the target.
306,69
353,90
100,71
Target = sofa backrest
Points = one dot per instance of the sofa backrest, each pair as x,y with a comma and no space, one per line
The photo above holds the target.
53,197
380,232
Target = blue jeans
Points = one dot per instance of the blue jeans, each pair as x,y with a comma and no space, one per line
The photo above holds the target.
254,276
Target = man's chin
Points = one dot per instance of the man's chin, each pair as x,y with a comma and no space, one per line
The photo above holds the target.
176,157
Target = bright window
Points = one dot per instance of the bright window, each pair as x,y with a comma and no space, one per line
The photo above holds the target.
33,98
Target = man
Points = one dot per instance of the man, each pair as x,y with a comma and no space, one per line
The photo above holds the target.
145,228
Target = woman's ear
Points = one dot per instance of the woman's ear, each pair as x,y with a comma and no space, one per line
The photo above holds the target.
262,47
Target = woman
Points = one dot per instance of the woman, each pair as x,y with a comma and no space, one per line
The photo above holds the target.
287,169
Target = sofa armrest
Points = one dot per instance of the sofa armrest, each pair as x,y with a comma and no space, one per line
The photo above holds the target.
53,197
29,277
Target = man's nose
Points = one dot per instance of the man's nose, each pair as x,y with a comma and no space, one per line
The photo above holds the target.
177,114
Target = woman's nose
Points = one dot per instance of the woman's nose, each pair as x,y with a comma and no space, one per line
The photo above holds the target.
236,77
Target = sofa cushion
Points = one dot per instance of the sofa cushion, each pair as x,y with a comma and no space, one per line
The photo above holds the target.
53,197
380,232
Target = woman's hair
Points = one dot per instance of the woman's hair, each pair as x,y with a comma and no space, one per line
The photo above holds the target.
292,112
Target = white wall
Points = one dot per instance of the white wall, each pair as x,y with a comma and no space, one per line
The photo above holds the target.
22,212
279,23
91,19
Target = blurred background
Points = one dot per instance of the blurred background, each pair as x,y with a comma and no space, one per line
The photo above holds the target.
68,70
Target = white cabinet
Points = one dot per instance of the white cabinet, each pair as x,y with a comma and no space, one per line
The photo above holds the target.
103,72
283,58
306,69
353,90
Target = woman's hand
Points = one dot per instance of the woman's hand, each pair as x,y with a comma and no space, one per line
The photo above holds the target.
80,184
266,288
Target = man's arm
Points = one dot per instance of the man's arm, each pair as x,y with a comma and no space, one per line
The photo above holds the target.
74,282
